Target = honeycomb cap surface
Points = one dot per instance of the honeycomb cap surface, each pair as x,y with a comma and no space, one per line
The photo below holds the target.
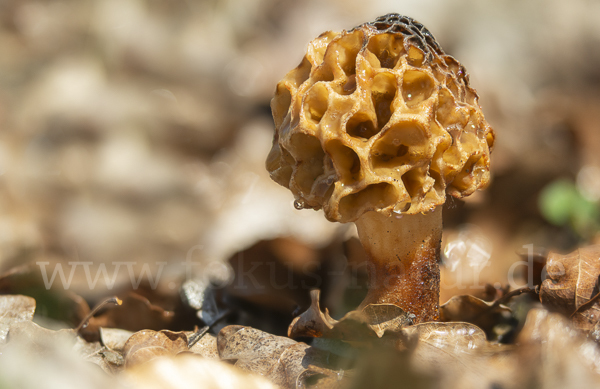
378,118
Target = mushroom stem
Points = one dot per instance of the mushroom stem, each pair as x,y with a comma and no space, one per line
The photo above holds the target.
402,258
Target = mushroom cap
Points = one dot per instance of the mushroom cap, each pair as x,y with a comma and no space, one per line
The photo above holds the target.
378,118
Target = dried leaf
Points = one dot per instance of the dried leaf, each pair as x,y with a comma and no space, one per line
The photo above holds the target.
56,304
51,362
14,309
114,338
372,322
454,337
22,331
190,371
458,354
385,367
571,283
594,333
146,345
206,346
86,349
549,354
114,359
434,355
552,354
470,309
317,378
539,257
94,352
136,313
278,358
383,318
313,322
40,338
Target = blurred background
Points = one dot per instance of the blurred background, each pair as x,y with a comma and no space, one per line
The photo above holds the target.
135,131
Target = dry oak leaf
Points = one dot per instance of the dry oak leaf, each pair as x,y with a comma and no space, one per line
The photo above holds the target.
371,322
114,338
454,337
14,309
553,354
571,283
470,309
206,346
549,353
60,304
146,345
187,371
34,356
40,338
94,352
135,313
52,363
278,358
458,354
22,330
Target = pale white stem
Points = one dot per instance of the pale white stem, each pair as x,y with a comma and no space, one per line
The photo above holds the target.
403,254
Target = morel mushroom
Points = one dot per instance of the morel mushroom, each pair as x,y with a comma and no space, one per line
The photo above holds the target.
375,126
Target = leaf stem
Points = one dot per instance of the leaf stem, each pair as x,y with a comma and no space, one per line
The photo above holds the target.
586,305
112,300
514,293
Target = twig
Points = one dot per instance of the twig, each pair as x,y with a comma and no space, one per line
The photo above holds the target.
196,336
505,299
588,304
84,322
514,293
